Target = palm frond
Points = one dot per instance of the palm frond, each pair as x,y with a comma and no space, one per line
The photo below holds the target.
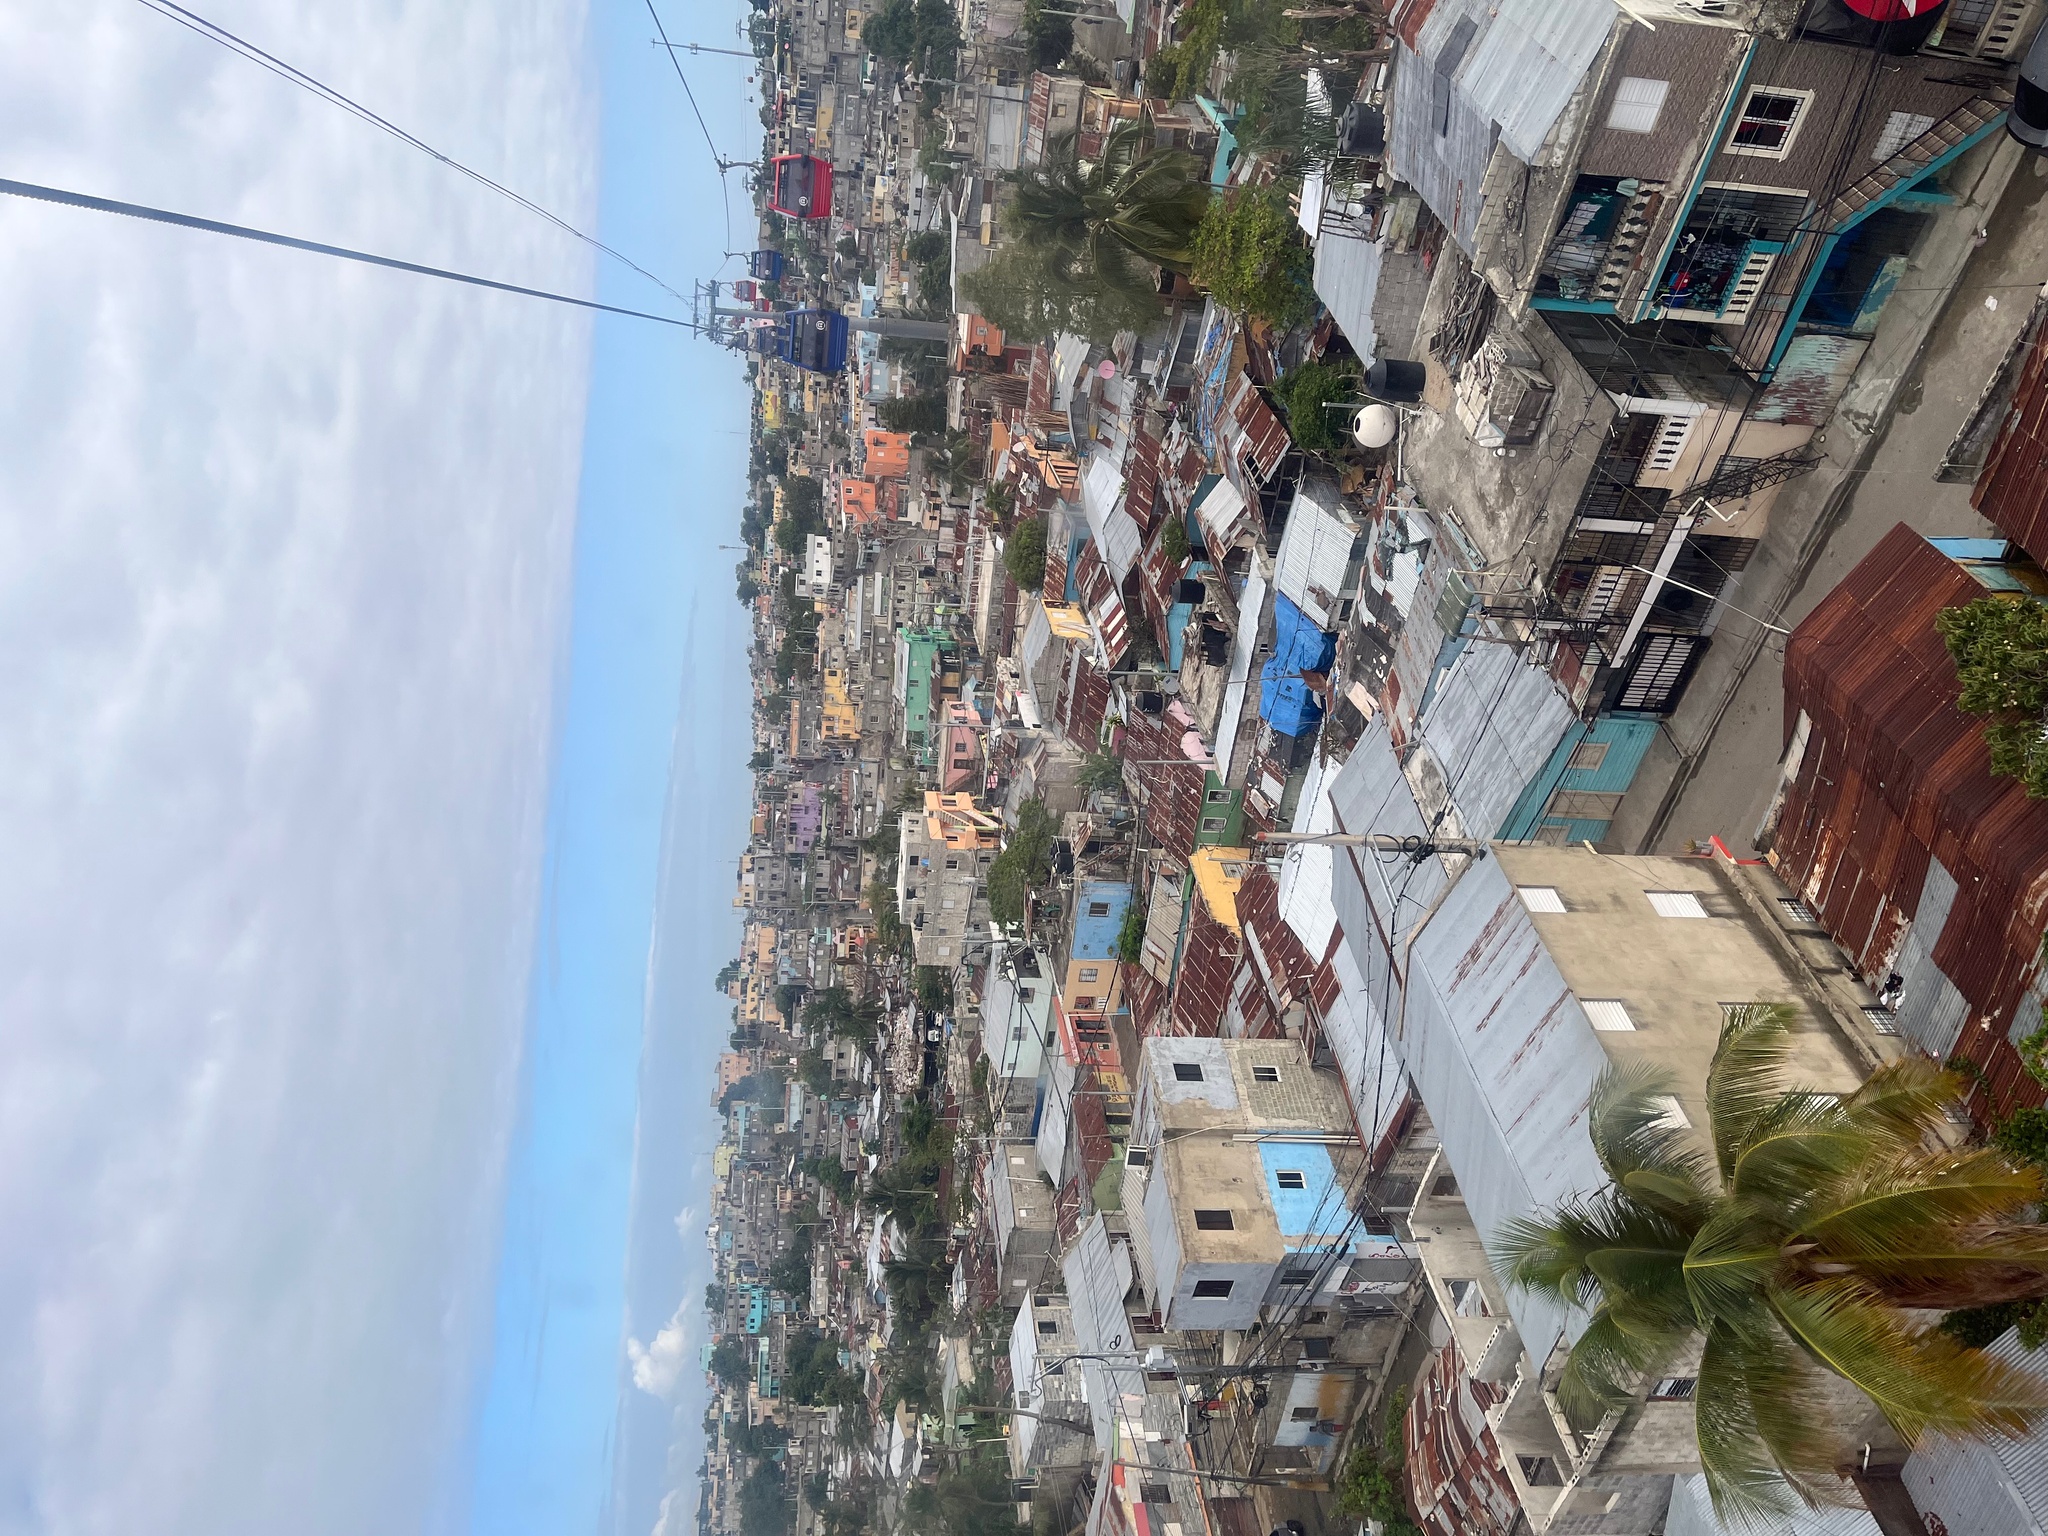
1731,1258
1919,1378
1635,1142
1553,1255
1743,1083
1744,1385
1798,1147
1903,1100
1887,1207
1602,1370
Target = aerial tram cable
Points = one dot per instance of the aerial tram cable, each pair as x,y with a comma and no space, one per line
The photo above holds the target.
318,248
724,193
214,32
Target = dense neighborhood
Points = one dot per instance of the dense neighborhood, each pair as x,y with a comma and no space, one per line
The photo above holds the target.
1400,842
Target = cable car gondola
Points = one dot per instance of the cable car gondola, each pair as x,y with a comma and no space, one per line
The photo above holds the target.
814,340
766,265
800,186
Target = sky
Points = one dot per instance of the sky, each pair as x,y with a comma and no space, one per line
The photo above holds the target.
355,946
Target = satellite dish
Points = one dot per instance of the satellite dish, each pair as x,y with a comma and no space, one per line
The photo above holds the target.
1375,425
1105,369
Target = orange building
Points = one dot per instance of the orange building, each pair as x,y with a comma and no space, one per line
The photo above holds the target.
888,453
857,501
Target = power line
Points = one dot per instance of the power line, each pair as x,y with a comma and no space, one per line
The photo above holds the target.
214,32
724,197
292,242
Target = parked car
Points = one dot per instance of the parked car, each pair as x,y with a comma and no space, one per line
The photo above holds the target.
2028,119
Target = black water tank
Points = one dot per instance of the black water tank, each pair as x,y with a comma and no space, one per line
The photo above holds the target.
1391,378
1362,130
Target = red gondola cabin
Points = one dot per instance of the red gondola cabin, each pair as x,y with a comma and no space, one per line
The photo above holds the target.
801,186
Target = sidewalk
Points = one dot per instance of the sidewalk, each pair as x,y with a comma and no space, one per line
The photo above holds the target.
1714,764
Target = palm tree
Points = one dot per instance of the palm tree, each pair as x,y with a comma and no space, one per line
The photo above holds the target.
1811,1249
1108,221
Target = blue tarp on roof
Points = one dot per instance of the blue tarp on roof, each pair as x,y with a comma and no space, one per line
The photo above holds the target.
1298,646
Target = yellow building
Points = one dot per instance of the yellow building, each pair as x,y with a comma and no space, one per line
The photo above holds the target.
1219,872
839,720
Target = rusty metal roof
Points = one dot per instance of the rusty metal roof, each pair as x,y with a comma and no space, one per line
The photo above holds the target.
1097,587
1141,478
1456,1483
1171,795
1208,964
2013,489
1894,774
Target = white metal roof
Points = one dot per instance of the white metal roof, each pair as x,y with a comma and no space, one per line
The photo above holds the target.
1315,549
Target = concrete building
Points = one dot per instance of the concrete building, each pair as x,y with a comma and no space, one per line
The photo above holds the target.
939,886
1534,969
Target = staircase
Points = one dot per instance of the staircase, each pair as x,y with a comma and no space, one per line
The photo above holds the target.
1911,162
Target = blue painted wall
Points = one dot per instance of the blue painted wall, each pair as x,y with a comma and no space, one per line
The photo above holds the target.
1095,937
1626,737
1317,1212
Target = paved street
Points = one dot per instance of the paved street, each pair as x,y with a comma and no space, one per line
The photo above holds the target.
1732,780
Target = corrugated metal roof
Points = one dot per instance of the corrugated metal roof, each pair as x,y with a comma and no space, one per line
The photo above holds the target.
1347,280
1496,1044
1455,1476
1208,962
1305,867
1692,1514
1254,440
1317,548
1446,168
1894,775
1098,593
1141,478
1250,605
1118,538
1985,1488
1523,69
1490,727
1098,1276
2012,491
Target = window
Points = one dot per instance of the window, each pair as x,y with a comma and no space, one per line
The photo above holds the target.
1675,904
1307,1413
1215,823
1317,1348
1796,910
1900,129
1264,1074
1768,122
1187,1071
1213,1221
1137,1157
1048,1326
1674,1116
1155,1493
1607,1015
1466,1298
1291,1178
1538,1471
1041,1299
1540,898
1297,1278
1636,104
1445,1187
1589,756
1881,1018
952,863
1218,797
1084,1004
1098,909
1213,1290
1089,972
1674,1389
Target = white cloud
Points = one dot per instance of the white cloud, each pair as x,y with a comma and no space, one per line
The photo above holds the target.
658,1366
284,549
686,1223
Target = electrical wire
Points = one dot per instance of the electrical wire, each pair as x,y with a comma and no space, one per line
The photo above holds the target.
214,32
724,195
292,242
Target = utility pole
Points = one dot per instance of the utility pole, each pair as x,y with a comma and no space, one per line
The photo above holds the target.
1379,842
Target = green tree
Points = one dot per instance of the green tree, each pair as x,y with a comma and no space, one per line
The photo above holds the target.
732,1362
934,989
1023,291
1802,1254
1050,35
1248,255
1111,221
728,973
1102,771
1024,553
1304,397
815,1073
788,996
998,501
2000,649
764,1505
920,34
913,413
714,1298
1173,541
1025,862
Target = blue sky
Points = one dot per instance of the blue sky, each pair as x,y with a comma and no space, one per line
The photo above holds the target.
346,679
646,817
